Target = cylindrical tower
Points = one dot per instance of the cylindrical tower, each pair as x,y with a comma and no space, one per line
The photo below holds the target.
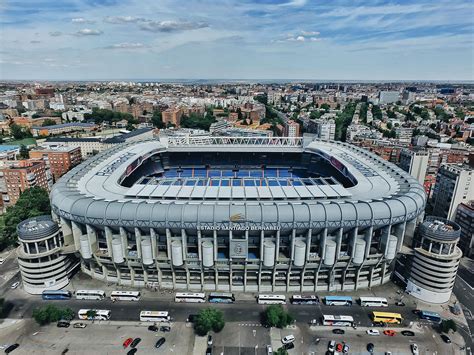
42,266
436,260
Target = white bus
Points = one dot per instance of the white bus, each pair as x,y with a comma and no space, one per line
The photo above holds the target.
344,321
94,314
125,296
373,302
190,297
271,299
154,316
90,295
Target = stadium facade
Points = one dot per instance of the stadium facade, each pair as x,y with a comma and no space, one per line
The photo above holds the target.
238,214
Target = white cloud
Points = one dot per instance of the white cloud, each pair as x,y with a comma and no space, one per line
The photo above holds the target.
127,45
171,26
88,32
123,19
81,20
295,3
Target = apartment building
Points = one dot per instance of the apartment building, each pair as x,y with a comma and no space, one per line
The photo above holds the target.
172,115
415,163
465,219
292,129
59,160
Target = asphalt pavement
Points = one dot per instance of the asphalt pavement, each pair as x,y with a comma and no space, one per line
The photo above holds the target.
463,289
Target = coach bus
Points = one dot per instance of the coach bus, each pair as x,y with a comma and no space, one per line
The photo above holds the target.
338,300
56,295
386,318
304,299
218,297
125,296
341,321
94,314
190,297
154,316
90,295
271,299
373,302
432,316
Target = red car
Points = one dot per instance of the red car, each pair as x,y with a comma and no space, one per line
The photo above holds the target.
339,347
127,342
390,332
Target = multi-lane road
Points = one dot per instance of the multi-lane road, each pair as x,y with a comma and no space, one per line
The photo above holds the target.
464,291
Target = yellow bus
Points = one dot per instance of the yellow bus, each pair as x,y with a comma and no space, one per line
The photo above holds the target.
386,318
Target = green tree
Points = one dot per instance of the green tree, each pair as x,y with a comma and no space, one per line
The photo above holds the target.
17,131
325,107
389,125
91,314
157,119
209,319
276,316
195,120
48,122
281,351
31,203
24,152
447,325
51,313
377,112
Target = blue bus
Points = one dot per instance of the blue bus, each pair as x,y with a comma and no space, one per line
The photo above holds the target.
432,316
56,295
218,297
338,300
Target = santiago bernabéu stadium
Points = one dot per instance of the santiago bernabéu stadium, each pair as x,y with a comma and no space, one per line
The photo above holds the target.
238,214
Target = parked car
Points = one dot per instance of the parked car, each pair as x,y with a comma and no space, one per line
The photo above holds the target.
446,339
288,339
390,332
127,342
165,328
12,347
153,328
209,340
370,347
63,324
332,346
338,331
269,350
414,349
79,325
289,346
339,347
400,304
132,351
373,332
345,349
15,285
209,351
160,342
408,333
135,342
2,260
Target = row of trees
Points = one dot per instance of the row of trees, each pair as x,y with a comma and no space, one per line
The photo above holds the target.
100,115
31,203
51,313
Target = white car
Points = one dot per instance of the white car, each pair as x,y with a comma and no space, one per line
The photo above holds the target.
288,339
414,349
332,346
269,350
15,285
2,260
373,332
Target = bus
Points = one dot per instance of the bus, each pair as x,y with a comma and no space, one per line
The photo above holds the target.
386,318
218,297
90,295
373,302
154,316
432,316
190,297
338,300
271,299
98,314
304,299
341,321
125,296
56,295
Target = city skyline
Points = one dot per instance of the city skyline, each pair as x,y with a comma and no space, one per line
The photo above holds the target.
269,40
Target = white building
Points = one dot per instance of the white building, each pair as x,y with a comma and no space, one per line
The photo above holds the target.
415,163
388,97
326,129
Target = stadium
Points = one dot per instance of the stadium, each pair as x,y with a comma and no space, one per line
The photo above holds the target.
238,214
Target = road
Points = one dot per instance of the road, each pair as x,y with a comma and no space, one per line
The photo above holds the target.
463,289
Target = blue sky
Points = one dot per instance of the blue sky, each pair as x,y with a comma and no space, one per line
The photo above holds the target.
246,39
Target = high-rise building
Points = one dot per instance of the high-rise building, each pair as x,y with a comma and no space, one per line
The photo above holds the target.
59,160
454,185
292,129
433,268
388,97
325,129
21,175
465,219
172,115
415,163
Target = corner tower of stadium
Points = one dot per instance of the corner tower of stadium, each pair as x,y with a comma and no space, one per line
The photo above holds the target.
238,214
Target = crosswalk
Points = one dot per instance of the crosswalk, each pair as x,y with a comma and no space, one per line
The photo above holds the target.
250,325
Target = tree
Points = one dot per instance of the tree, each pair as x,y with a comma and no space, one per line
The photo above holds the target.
447,325
24,152
48,122
51,313
31,203
16,131
325,107
157,119
281,351
389,125
276,316
195,120
209,319
91,314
